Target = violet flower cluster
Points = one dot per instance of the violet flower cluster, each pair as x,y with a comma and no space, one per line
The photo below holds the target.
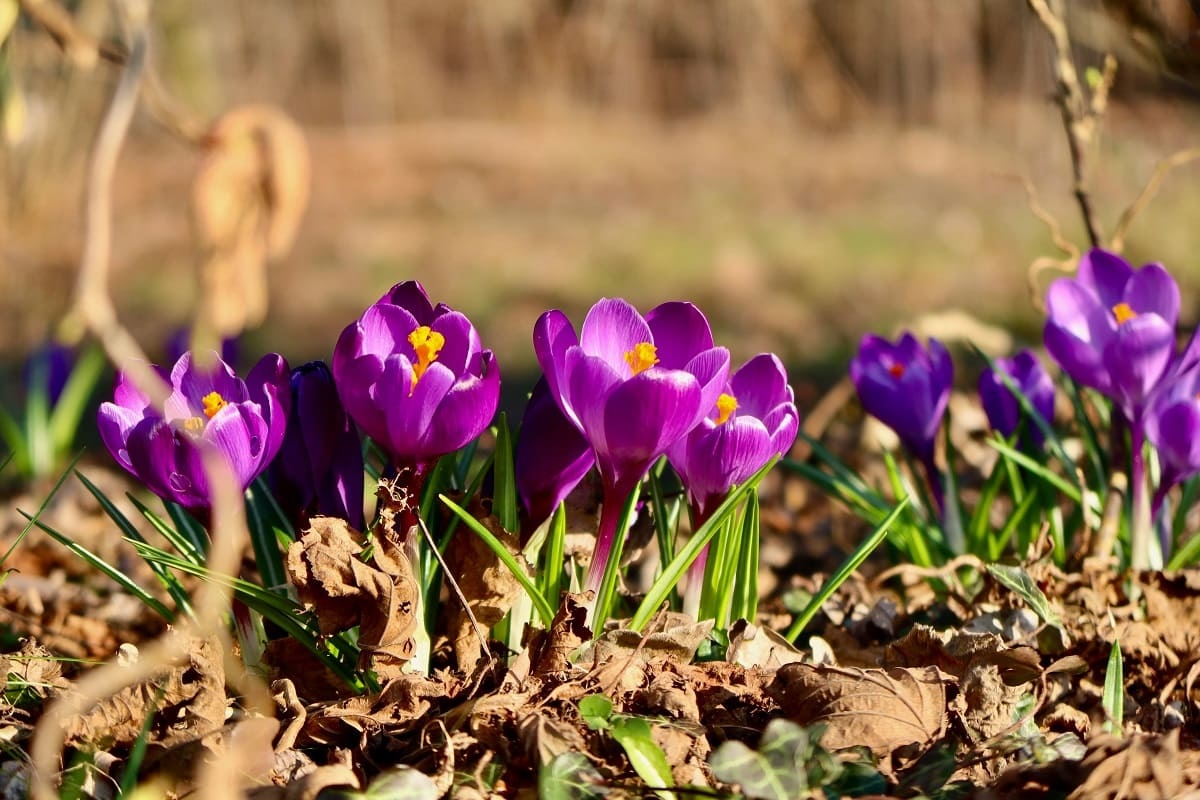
635,387
415,378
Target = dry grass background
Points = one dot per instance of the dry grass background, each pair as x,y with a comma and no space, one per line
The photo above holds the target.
806,170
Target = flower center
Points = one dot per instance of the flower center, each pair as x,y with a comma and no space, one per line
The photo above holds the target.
427,343
213,402
1123,313
642,357
896,370
726,405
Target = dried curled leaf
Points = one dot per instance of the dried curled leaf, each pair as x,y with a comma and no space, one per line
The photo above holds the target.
343,591
875,708
187,701
248,199
489,586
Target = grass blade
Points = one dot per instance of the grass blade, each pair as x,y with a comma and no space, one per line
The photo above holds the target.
845,571
504,488
496,546
1113,699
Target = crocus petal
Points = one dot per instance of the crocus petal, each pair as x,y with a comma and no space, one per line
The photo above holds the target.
269,386
711,370
194,383
356,382
552,337
552,456
1138,356
680,331
1074,308
462,342
384,330
1078,358
589,380
1175,432
645,414
760,384
410,415
115,422
466,410
1105,274
168,463
238,432
1152,290
410,296
783,425
127,395
725,455
611,329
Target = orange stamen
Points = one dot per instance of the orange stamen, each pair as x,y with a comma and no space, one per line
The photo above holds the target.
1123,313
726,405
642,357
897,370
213,402
427,343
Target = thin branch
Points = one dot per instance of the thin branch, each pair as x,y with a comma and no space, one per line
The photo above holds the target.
1161,170
1079,116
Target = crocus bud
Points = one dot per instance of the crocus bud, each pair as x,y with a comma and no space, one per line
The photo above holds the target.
48,368
906,387
319,469
552,456
242,420
1113,328
1002,408
415,377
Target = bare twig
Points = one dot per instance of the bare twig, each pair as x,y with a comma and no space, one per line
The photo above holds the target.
85,51
1161,170
1080,117
93,312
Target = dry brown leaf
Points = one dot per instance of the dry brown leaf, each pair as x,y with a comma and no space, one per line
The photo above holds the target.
343,591
879,709
567,634
310,785
248,199
1136,767
187,701
489,587
752,646
544,737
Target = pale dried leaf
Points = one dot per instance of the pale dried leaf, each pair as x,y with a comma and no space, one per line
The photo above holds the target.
489,587
879,709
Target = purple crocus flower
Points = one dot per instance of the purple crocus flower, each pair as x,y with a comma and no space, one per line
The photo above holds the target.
633,385
1112,327
753,420
415,377
319,469
906,387
1173,426
49,366
242,420
1001,406
552,456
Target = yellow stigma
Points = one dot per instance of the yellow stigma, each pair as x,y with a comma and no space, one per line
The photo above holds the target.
193,425
726,405
213,402
427,343
1123,313
642,357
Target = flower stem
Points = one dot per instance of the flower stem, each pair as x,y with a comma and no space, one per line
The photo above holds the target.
610,517
693,587
1140,521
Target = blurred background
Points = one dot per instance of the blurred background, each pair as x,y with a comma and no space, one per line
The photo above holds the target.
805,170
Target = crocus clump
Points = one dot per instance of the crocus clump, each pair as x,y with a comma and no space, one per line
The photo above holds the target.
552,456
244,421
319,469
1112,327
415,378
1173,427
632,385
1001,405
